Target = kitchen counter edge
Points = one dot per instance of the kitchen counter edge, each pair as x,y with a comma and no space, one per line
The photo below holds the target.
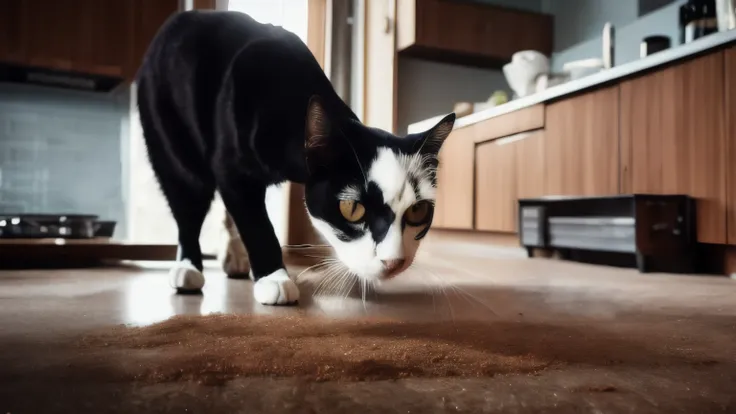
705,44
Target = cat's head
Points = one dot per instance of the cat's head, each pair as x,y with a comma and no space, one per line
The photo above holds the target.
371,194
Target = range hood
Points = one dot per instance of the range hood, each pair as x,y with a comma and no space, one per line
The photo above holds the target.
59,79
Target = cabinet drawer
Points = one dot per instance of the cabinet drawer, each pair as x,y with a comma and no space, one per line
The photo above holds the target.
523,120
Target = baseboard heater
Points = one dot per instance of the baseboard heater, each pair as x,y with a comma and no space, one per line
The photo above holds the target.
644,225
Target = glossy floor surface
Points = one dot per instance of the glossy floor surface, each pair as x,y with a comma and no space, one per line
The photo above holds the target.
611,327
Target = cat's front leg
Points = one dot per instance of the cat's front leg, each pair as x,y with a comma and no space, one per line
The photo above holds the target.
246,203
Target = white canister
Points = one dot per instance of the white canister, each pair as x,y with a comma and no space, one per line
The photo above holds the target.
726,14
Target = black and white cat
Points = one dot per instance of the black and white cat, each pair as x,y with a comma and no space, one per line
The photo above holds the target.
231,105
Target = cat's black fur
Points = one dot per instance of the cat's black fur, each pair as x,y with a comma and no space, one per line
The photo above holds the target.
228,103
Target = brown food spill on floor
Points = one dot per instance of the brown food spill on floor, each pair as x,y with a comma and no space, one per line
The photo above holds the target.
213,349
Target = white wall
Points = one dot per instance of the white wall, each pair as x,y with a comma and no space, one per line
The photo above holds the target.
427,89
579,24
150,218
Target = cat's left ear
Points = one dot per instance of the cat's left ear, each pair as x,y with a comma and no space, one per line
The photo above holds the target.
432,140
319,153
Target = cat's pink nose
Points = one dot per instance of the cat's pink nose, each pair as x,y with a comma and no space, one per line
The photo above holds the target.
391,266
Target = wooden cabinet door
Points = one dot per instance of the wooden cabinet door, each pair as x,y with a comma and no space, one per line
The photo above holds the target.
103,36
672,133
51,31
582,144
84,36
495,184
149,16
530,165
507,169
12,22
454,204
730,56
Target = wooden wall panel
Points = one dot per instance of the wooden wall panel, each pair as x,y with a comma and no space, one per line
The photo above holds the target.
495,198
730,112
582,144
380,65
673,127
454,206
299,227
204,4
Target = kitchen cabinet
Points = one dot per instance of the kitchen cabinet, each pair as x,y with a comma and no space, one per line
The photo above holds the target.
673,141
730,138
525,119
12,41
582,144
469,33
96,37
149,16
507,169
495,186
83,36
454,199
530,165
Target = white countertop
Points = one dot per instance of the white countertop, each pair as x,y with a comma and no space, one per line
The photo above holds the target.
662,58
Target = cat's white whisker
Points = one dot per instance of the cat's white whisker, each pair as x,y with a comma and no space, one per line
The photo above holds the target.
463,293
442,288
327,279
322,263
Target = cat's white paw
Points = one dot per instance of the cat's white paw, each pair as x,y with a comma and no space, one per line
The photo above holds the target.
185,277
276,289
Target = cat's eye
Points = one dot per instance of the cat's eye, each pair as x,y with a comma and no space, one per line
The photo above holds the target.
419,213
352,210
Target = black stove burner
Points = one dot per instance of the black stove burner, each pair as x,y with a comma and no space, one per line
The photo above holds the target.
41,226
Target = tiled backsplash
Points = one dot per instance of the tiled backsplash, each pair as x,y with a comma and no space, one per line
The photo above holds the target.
60,152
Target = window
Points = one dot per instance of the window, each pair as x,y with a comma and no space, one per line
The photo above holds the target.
149,217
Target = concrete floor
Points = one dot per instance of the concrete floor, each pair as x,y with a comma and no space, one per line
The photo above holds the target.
693,317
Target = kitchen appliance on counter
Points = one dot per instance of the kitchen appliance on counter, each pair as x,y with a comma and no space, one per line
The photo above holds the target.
653,44
529,73
54,226
697,19
609,46
524,69
726,13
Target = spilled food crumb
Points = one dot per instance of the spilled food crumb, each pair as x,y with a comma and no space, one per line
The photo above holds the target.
213,349
597,388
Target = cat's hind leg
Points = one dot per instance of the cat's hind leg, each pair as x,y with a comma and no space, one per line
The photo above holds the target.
189,209
246,203
185,180
232,255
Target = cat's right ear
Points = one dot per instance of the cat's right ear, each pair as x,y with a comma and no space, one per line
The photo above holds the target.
432,140
319,153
